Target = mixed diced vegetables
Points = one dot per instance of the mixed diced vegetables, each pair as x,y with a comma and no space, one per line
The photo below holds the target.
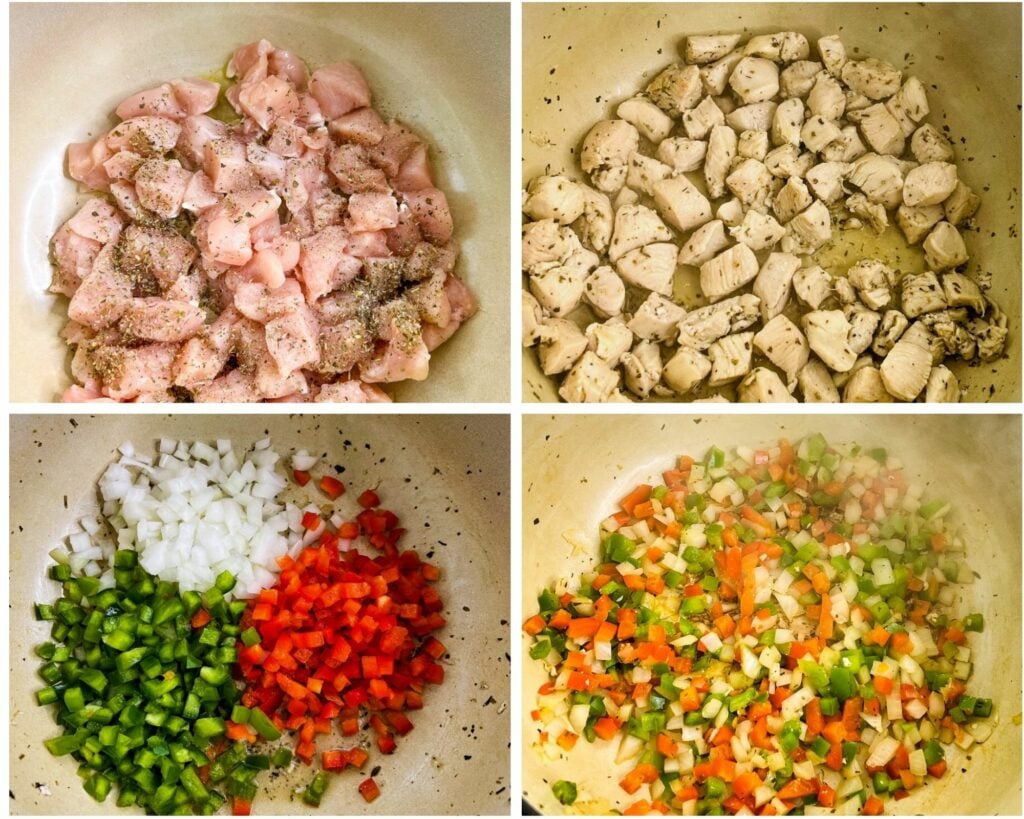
769,631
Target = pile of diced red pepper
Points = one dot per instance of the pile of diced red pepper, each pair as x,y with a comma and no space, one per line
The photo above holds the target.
343,635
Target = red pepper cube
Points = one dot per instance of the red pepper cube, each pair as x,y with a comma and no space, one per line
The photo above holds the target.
387,744
310,520
369,789
369,499
332,487
301,477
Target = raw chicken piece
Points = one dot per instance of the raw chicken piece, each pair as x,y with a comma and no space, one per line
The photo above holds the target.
430,208
763,386
196,95
146,136
160,102
98,221
268,100
131,371
234,387
85,163
352,392
103,295
73,257
160,185
338,89
155,319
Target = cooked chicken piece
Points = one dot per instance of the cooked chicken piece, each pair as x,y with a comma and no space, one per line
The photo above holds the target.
604,291
865,386
706,48
863,324
730,358
905,369
625,196
546,241
533,317
874,282
922,293
797,79
784,345
875,79
929,184
608,341
784,47
882,130
727,103
715,77
686,370
596,225
871,212
917,222
919,335
561,343
826,180
755,79
763,386
606,150
789,119
828,334
721,152
879,178
704,242
749,182
942,386
554,197
846,148
681,204
683,155
652,267
808,231
757,116
833,54
949,327
728,271
698,121
792,198
961,204
816,384
909,105
787,161
826,98
676,89
644,172
590,381
894,323
656,319
818,132
730,212
812,285
642,368
842,379
635,226
558,286
990,334
752,145
705,325
774,282
757,231
845,293
929,144
944,248
646,117
962,291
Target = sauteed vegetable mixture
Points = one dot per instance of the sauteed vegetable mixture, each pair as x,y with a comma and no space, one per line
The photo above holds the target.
768,631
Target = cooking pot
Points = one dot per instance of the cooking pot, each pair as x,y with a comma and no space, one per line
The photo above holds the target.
72,64
447,477
580,62
577,469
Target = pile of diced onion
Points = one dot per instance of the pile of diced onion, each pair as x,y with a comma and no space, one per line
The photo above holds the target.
192,512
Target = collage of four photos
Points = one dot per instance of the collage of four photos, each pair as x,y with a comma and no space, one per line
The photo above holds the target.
478,597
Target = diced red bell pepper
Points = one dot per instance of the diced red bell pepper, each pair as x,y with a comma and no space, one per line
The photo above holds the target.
332,487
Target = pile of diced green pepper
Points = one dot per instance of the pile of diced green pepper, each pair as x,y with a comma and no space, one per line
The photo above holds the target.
141,694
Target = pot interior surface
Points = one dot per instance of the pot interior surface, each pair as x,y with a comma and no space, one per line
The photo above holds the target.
446,477
577,469
411,77
580,62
